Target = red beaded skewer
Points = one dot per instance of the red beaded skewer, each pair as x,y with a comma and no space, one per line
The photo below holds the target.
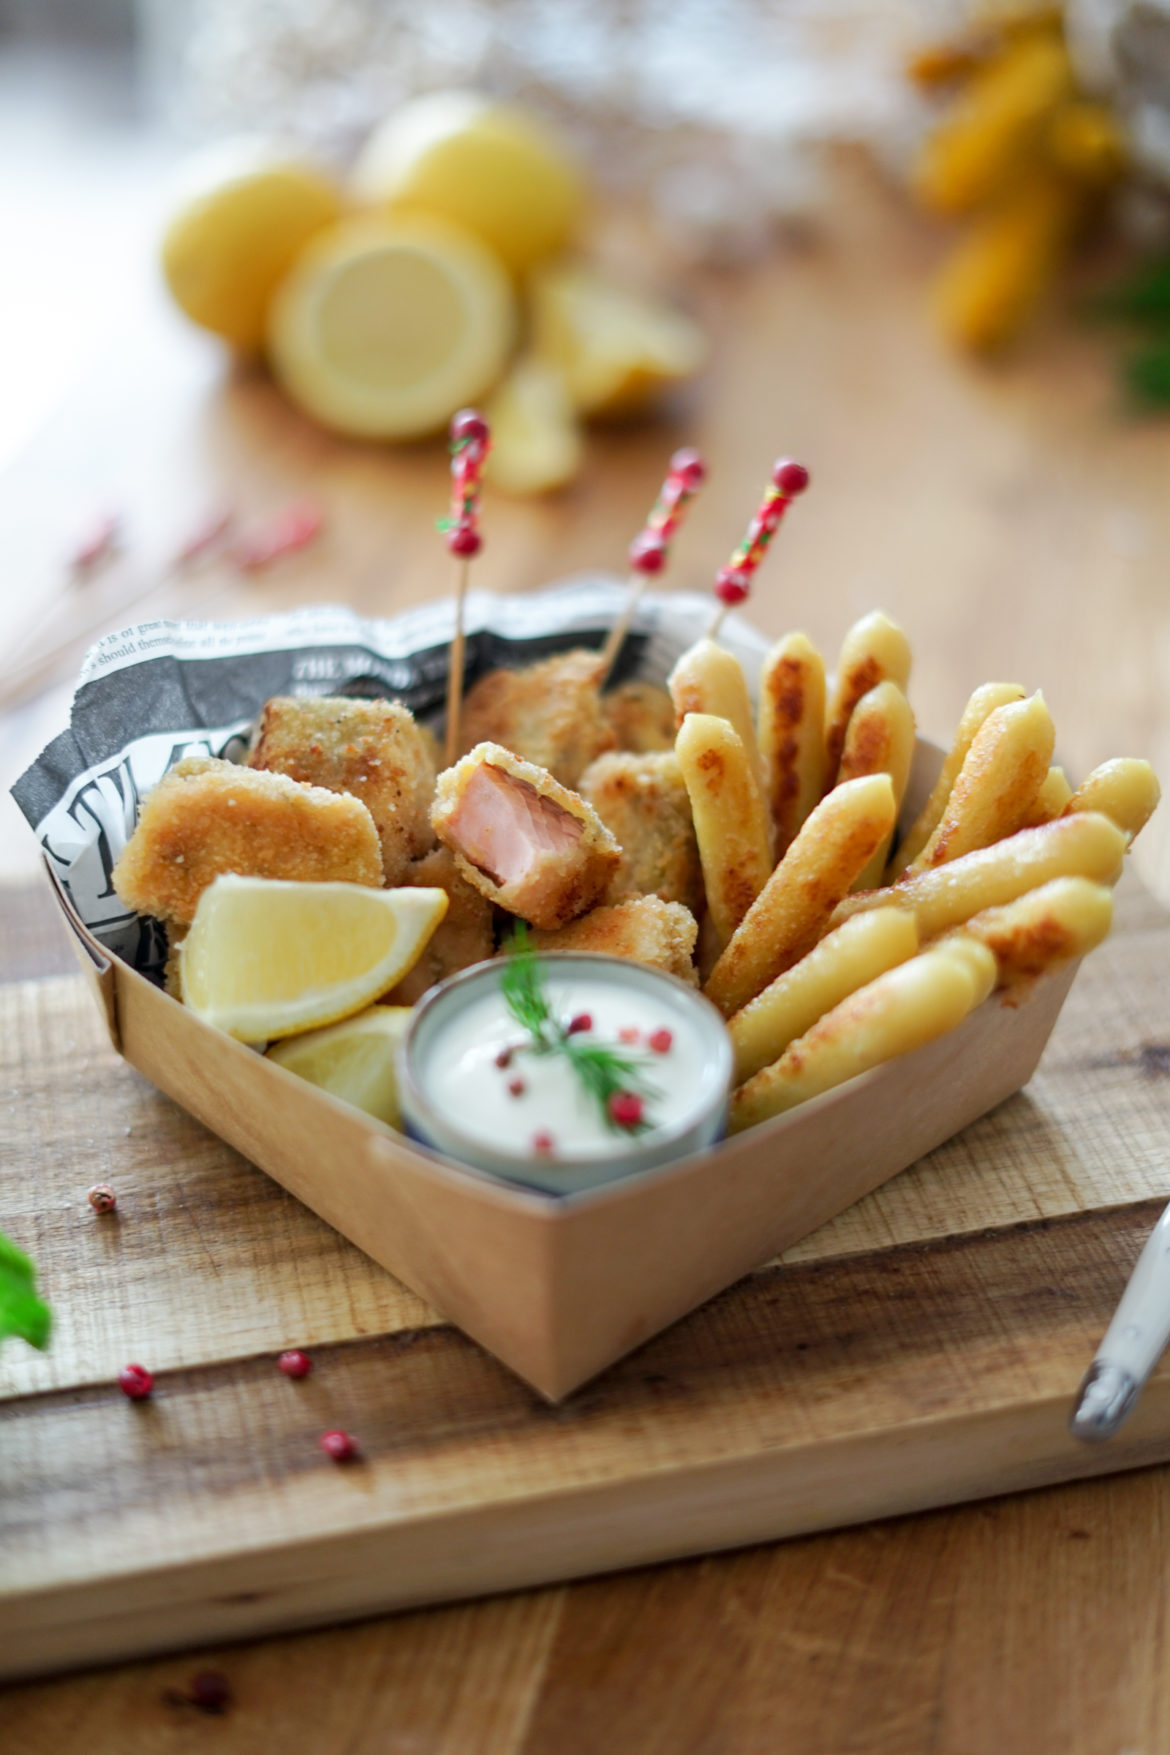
649,549
470,443
733,582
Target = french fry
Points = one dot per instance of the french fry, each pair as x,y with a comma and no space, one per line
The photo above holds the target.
792,733
1125,790
874,650
847,959
1084,845
1053,924
788,916
879,740
1005,768
731,823
983,702
1051,799
972,956
901,1010
709,679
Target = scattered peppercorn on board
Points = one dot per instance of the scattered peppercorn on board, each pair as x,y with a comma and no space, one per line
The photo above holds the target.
922,1349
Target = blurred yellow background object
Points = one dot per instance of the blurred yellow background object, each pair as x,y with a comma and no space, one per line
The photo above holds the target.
616,348
384,327
249,213
537,444
494,168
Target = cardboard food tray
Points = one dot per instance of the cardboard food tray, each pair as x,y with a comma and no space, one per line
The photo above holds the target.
560,1287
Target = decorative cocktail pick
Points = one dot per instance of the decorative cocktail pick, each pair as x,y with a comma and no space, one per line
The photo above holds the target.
733,582
649,549
470,444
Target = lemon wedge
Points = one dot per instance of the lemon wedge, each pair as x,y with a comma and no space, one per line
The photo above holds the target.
385,327
491,167
356,1060
536,438
246,214
266,958
615,348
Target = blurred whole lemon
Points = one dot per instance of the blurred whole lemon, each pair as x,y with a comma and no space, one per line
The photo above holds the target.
490,167
248,213
385,326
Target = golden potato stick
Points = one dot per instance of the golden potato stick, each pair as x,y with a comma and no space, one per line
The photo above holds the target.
874,650
789,915
1085,845
1125,790
1059,921
847,959
974,957
709,679
900,1011
983,702
792,733
731,824
1051,799
997,784
879,740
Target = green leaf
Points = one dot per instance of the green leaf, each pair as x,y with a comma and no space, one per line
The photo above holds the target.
1143,298
1147,376
22,1313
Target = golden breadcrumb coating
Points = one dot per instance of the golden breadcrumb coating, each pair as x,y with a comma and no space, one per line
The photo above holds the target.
642,717
549,714
371,749
643,930
521,839
644,803
465,935
207,817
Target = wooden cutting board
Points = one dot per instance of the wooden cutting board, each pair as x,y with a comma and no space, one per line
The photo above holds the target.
921,1350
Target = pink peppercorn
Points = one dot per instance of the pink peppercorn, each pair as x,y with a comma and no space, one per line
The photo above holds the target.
102,1198
341,1446
136,1382
294,1363
660,1041
583,1021
543,1144
625,1109
516,1087
629,1033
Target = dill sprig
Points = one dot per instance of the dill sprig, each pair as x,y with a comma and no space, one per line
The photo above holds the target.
604,1072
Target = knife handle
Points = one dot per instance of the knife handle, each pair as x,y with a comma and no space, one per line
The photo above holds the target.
1134,1342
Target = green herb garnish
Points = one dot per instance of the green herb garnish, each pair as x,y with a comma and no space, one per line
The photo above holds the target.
22,1313
604,1072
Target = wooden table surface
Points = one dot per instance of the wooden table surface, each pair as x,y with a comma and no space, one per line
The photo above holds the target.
1017,526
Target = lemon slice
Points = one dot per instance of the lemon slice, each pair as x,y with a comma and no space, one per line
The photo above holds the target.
491,167
536,438
356,1060
265,958
615,348
385,327
247,212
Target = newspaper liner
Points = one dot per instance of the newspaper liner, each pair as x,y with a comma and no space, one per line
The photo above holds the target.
556,1286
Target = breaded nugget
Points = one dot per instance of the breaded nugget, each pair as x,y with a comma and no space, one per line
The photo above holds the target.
372,749
644,930
549,714
643,801
464,936
521,839
642,717
207,817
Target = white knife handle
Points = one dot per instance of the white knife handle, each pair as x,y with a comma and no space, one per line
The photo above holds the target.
1134,1342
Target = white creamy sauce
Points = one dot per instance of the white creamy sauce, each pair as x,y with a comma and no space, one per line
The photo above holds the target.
471,1091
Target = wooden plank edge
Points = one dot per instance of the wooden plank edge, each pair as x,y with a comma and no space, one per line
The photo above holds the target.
565,1535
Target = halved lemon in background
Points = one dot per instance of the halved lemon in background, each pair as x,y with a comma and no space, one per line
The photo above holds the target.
247,212
356,1060
385,327
615,348
490,167
266,958
536,438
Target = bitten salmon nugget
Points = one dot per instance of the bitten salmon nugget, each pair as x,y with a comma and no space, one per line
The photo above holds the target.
643,930
464,936
549,714
644,803
372,749
206,818
523,840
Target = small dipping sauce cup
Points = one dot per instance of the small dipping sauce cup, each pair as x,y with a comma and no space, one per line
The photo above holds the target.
474,1087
